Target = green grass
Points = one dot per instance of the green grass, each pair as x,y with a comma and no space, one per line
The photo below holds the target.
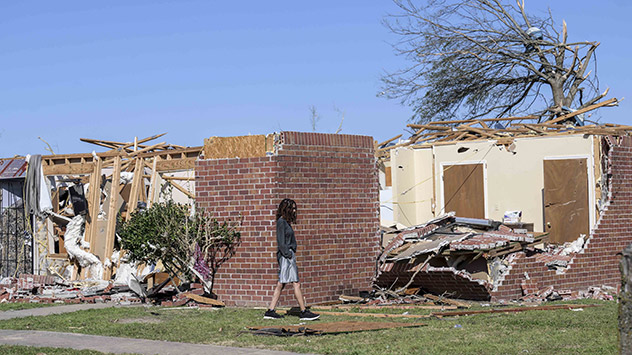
591,331
28,350
20,306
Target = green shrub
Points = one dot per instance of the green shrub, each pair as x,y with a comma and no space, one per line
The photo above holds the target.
188,246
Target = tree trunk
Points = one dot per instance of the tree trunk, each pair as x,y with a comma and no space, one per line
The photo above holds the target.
557,90
625,302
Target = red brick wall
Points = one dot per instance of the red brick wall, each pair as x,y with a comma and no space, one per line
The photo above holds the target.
598,264
333,179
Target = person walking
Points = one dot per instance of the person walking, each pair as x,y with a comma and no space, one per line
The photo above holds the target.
286,257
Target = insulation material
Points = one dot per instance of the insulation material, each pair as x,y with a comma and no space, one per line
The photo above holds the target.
238,147
126,177
75,243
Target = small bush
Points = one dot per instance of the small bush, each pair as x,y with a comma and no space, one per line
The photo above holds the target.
188,246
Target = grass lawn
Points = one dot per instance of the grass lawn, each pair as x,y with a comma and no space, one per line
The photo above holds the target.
19,306
28,350
591,331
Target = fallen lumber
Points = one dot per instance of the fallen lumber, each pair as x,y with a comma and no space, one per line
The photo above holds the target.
376,315
329,328
452,302
389,306
514,310
203,300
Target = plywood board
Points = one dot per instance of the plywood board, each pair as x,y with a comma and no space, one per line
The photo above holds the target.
237,147
566,213
97,246
464,190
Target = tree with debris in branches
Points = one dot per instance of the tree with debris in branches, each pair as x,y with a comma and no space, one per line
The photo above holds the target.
475,58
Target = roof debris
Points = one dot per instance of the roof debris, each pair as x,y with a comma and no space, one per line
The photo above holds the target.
503,130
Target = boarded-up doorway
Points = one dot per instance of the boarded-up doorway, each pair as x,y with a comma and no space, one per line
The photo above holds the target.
566,213
464,190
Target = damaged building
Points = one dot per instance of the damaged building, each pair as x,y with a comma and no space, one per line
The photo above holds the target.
521,210
66,232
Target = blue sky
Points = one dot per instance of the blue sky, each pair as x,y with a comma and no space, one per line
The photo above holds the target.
113,70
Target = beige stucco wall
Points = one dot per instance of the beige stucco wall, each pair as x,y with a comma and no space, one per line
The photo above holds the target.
412,174
513,180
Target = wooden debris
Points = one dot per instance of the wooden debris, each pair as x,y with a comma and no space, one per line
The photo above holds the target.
449,301
204,300
448,132
375,315
347,298
329,328
386,306
514,310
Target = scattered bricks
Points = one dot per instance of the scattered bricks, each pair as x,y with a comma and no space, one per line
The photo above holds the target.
25,283
91,299
565,292
72,300
180,302
529,287
167,303
545,292
197,291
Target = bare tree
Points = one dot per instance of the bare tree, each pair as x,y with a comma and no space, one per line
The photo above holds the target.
314,117
474,58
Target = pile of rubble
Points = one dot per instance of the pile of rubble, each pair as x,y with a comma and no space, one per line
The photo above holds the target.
50,289
462,257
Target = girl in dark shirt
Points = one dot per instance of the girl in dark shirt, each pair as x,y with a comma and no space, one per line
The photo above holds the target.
286,257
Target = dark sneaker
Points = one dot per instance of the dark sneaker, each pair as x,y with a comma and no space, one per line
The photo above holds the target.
307,315
271,314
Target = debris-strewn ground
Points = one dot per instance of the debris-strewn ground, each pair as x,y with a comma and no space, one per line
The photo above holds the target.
590,330
468,258
46,290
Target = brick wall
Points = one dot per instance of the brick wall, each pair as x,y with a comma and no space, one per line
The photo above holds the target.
333,179
598,264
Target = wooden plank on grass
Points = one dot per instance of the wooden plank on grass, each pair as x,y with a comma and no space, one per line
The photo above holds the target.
203,300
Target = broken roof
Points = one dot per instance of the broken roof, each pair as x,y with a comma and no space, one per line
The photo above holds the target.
503,130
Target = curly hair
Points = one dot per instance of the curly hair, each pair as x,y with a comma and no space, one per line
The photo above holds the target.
287,210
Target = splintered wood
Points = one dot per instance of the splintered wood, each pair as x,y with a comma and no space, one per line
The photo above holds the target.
503,130
329,328
119,180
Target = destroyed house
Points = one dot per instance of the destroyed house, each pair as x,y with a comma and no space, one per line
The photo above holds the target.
70,237
561,190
